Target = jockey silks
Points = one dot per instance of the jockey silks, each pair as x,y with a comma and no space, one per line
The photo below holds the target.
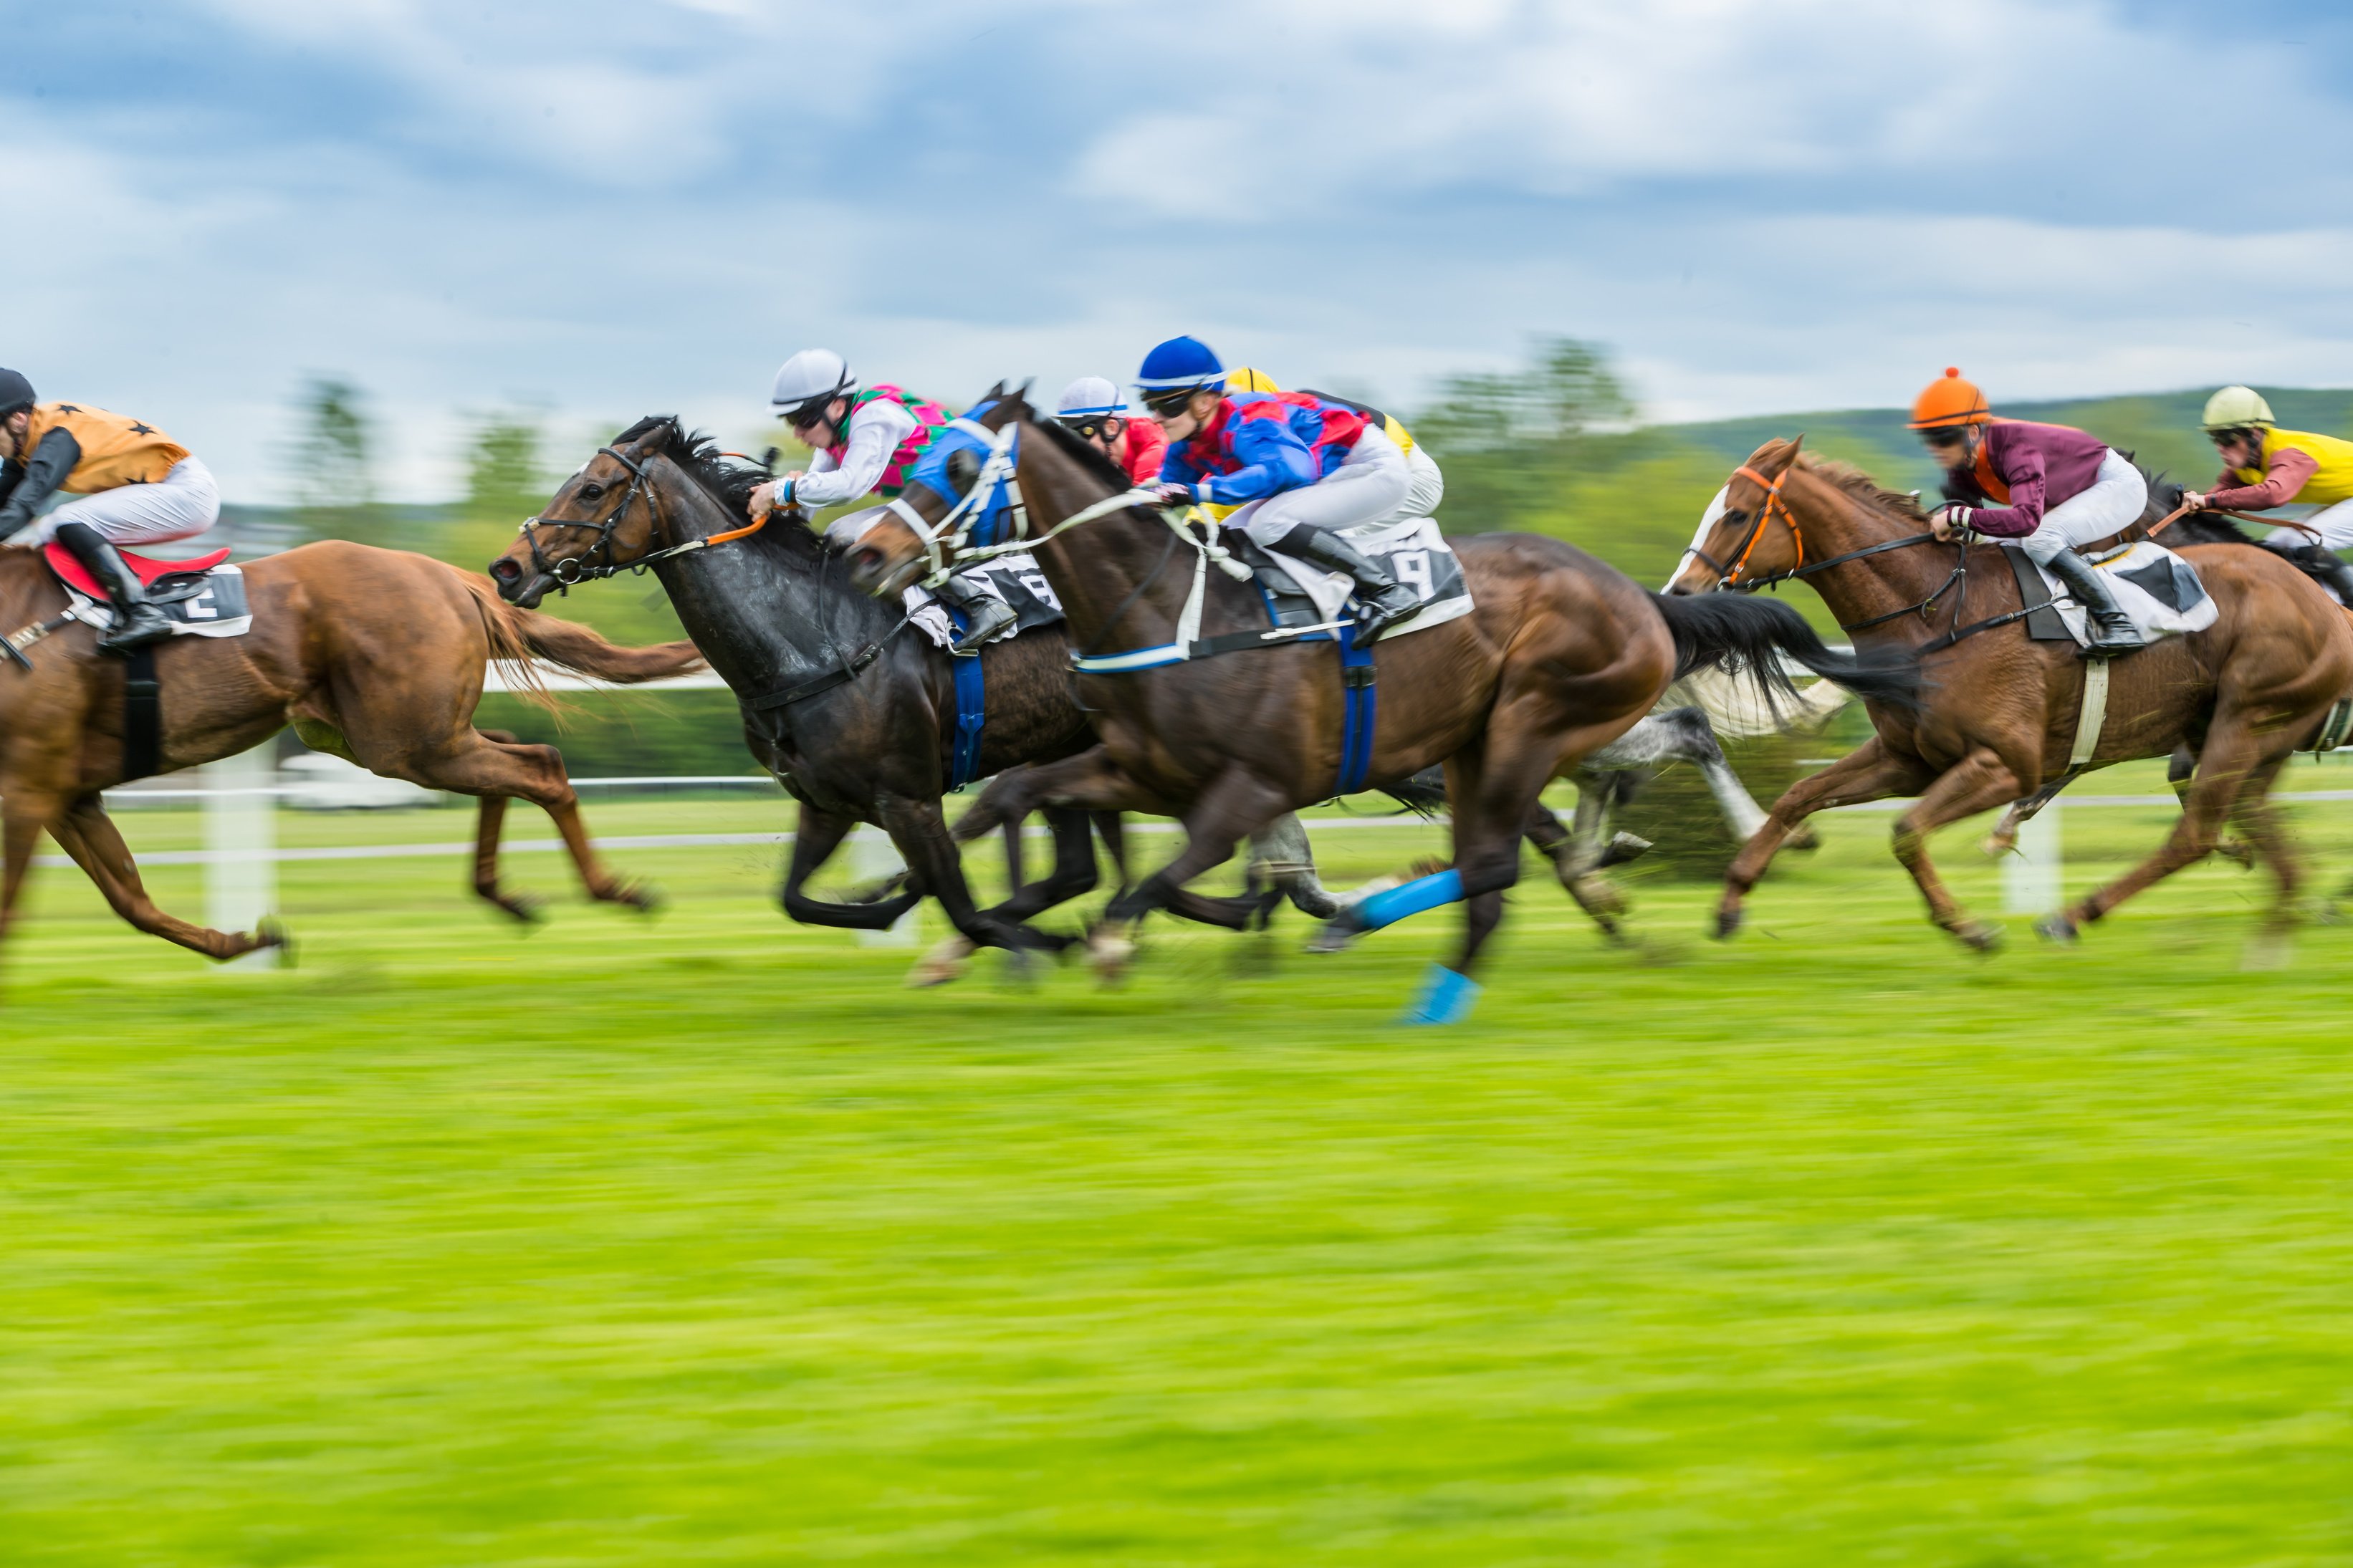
116,450
2026,468
1260,444
928,417
2327,476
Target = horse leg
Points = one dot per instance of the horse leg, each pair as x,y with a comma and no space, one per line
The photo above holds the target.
1870,772
1075,874
1013,878
2180,769
85,832
2233,756
25,811
1979,781
1234,804
815,839
1576,853
1112,828
1282,854
2258,819
919,830
491,817
2004,836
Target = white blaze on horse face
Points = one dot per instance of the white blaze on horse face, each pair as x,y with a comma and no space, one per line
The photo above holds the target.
1707,521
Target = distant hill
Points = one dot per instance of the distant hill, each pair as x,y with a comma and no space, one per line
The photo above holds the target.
2159,429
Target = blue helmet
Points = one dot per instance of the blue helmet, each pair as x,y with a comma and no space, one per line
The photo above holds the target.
1177,369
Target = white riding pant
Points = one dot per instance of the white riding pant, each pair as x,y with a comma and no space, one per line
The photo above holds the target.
2113,504
1371,482
1427,486
2333,524
182,503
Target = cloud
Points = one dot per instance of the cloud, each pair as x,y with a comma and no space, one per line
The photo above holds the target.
615,209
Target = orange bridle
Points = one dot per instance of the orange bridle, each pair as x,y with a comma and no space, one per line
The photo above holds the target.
1775,503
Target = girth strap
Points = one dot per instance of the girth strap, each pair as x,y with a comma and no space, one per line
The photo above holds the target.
971,709
142,715
1360,711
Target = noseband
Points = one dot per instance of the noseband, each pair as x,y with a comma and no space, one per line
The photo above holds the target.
1775,505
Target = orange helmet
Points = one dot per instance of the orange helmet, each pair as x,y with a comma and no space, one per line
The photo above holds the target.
1950,402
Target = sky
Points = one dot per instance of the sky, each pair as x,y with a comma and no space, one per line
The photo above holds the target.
602,210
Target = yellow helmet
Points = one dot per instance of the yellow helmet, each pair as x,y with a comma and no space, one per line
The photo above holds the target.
1249,379
2237,408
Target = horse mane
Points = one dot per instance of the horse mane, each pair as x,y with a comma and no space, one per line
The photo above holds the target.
730,480
1086,454
1863,487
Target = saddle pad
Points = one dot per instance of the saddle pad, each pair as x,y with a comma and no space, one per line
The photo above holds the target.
1418,556
204,597
70,571
2156,589
1013,578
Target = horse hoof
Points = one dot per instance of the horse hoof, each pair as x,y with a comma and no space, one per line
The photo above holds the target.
639,896
946,961
1621,850
521,909
1802,840
1444,996
1994,845
1978,936
2060,929
877,893
1111,954
1727,923
269,933
1336,935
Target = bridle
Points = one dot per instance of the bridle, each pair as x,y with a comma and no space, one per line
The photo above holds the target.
1777,504
598,560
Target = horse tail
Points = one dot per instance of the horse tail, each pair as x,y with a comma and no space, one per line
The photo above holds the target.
1747,637
520,637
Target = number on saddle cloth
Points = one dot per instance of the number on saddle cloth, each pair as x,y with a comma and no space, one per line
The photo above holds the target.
202,596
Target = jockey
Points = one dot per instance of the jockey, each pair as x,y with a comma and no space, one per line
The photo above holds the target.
1090,408
1312,467
2053,489
865,443
134,485
2265,466
1428,486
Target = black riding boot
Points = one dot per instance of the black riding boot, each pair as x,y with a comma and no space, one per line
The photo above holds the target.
2112,630
135,620
985,614
1386,600
2320,563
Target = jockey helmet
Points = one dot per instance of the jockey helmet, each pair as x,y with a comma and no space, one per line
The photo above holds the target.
1175,370
2237,408
15,392
1243,379
809,380
1949,403
1089,397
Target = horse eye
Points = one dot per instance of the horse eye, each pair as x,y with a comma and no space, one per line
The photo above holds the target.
591,491
963,467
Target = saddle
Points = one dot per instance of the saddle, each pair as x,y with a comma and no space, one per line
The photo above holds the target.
203,597
1299,594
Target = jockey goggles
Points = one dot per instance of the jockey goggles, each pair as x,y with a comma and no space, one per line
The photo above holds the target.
1089,427
1167,403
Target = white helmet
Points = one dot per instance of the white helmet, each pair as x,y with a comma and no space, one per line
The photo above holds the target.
808,380
1089,397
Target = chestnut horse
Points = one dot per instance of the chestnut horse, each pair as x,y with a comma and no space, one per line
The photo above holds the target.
2001,715
375,655
1561,656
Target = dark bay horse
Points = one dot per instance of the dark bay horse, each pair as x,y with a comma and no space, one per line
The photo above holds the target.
1561,656
375,655
853,709
2001,716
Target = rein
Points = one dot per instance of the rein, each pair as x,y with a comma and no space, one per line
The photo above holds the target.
588,566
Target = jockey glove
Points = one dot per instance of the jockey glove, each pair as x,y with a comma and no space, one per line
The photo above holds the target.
51,464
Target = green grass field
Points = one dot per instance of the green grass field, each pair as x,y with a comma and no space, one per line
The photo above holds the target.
699,1240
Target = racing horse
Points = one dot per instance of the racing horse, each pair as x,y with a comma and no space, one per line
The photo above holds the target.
2001,721
375,655
855,717
1561,655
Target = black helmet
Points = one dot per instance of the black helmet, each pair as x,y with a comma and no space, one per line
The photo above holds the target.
15,392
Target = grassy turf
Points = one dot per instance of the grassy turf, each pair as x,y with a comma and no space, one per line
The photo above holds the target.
699,1241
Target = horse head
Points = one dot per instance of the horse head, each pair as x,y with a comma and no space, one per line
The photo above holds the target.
1746,532
619,509
906,543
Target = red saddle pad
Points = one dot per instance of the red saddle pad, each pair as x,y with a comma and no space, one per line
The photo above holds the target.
69,571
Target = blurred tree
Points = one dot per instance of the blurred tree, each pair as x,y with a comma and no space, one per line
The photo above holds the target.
1509,443
506,482
335,483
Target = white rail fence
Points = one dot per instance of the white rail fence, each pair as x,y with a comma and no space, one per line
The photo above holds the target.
240,798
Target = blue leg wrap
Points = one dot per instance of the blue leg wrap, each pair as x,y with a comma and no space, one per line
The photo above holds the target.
1421,893
1443,997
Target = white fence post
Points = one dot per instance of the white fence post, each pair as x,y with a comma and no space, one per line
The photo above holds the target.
2030,877
871,859
241,835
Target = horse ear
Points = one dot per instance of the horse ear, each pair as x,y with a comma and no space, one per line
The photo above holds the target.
993,393
1021,395
1796,445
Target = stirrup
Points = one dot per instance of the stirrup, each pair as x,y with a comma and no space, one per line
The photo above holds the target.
999,616
129,632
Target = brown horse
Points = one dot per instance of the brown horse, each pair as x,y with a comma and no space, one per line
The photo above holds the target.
1561,656
375,655
2001,717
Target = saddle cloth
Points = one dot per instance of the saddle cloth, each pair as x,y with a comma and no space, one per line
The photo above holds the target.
2158,589
1013,578
1418,556
203,597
